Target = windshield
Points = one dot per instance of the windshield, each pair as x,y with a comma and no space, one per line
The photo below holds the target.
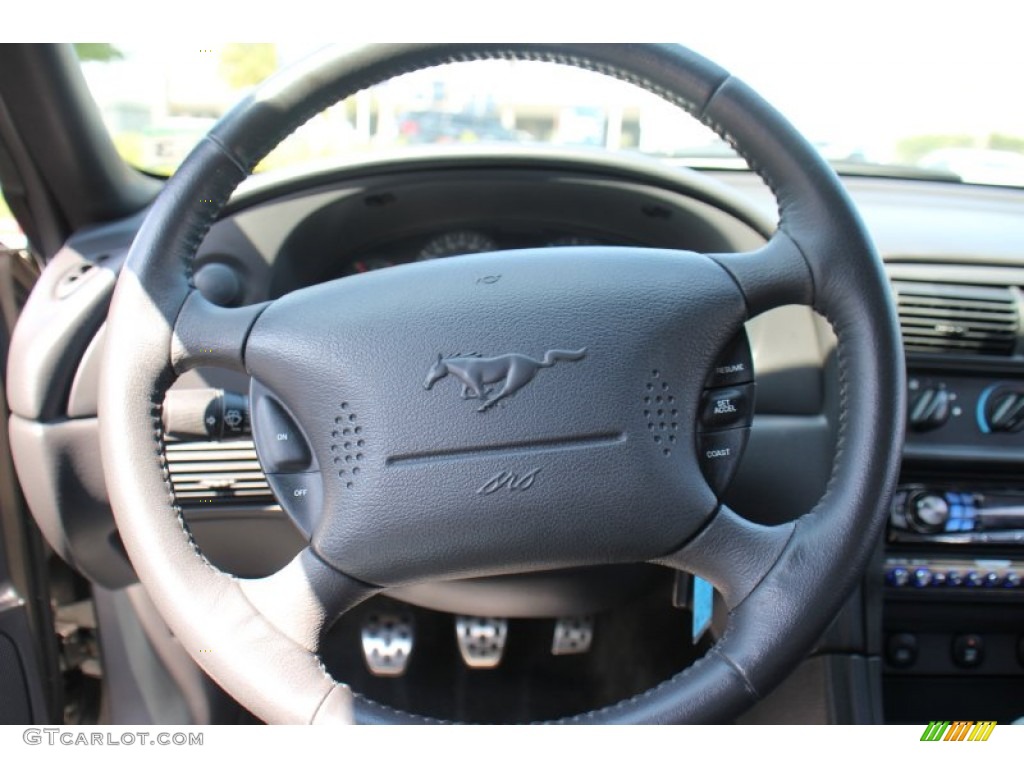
924,108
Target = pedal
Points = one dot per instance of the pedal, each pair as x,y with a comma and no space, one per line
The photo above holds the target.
387,643
481,641
572,635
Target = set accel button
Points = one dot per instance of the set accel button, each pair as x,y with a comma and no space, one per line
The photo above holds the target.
727,408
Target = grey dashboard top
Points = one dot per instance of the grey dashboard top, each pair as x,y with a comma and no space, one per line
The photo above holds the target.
923,220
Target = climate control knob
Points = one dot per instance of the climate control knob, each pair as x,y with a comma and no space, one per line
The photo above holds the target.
1004,411
929,409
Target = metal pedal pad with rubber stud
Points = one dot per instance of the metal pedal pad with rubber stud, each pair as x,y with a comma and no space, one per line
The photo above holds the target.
481,641
387,643
572,635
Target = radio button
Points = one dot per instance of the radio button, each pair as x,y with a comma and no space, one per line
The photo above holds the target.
991,579
973,579
922,578
954,579
930,512
1011,579
898,577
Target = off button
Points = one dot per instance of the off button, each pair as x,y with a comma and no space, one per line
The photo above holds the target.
301,495
727,408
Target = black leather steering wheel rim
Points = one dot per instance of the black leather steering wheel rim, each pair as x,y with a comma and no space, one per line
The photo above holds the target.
258,639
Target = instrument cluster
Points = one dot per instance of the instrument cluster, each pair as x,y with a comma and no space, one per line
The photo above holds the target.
464,241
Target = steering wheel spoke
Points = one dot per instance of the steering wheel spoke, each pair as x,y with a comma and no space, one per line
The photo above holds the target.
732,553
208,335
772,276
302,599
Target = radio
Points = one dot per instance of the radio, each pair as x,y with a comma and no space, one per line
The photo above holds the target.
956,574
956,515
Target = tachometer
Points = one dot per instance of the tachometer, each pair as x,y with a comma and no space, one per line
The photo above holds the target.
456,243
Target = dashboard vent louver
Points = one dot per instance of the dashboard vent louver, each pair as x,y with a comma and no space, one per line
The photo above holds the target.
952,318
207,475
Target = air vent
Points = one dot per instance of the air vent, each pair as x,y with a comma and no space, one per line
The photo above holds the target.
964,319
225,474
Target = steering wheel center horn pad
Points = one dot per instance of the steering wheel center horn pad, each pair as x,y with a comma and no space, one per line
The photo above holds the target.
528,445
499,413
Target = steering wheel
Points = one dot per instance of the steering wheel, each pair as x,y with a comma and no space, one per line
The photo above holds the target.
540,452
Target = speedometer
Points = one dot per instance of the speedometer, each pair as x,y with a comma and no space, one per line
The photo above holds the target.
456,243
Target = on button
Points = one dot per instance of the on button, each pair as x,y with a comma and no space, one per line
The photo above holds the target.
282,447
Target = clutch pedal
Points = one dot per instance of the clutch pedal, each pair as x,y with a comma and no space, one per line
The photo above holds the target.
387,643
481,641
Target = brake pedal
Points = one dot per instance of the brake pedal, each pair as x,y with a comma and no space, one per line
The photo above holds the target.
481,641
572,635
387,643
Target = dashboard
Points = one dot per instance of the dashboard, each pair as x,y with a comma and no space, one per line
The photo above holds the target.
938,619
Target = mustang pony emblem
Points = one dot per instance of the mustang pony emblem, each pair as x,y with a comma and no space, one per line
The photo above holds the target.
476,373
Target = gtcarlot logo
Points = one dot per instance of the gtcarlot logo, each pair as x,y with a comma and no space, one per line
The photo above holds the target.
79,737
960,730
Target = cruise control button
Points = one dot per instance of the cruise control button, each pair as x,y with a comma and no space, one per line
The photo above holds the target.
734,366
282,446
719,454
300,495
727,408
